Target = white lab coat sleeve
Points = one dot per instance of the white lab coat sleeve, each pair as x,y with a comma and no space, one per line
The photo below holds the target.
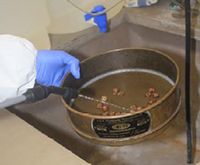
17,66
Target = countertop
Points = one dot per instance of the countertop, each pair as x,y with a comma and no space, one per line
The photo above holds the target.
22,144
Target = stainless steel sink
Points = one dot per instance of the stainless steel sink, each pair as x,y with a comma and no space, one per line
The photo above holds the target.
50,117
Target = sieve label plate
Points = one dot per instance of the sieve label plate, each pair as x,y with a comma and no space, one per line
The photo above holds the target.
122,127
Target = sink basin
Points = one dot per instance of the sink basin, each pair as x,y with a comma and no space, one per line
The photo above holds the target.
50,117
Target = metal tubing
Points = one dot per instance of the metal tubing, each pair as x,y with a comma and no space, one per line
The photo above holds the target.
187,80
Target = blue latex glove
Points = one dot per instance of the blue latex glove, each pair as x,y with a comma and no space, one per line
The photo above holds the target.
52,66
100,20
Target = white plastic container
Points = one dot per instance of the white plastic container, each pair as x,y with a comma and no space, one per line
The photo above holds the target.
139,3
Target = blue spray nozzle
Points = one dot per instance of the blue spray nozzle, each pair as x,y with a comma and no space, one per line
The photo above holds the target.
100,20
98,8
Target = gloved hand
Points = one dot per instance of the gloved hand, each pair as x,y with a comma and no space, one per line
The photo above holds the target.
52,66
